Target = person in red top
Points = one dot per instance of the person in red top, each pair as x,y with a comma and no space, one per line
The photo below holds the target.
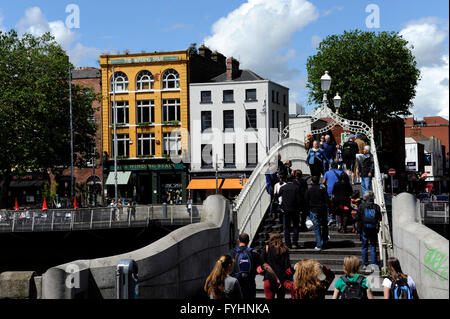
311,280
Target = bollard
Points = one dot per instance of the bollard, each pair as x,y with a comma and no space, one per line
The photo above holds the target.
127,279
32,223
164,210
92,217
53,218
171,215
14,222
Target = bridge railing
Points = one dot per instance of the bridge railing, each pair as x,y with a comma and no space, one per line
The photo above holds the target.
384,235
253,200
93,218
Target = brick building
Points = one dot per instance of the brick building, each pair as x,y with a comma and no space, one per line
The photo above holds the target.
89,177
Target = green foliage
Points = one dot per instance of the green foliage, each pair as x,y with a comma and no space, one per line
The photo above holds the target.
375,74
34,105
144,124
171,122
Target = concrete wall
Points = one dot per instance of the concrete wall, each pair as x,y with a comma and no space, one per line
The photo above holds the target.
175,266
423,253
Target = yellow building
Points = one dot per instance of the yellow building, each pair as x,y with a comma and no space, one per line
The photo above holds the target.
152,106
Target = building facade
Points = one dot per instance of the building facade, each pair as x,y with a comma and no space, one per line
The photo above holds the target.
235,119
151,96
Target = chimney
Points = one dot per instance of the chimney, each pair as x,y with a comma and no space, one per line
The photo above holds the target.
232,68
204,51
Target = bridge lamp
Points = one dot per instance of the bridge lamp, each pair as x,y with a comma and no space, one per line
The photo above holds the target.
337,102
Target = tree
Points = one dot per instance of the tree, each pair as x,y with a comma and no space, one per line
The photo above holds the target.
34,108
375,74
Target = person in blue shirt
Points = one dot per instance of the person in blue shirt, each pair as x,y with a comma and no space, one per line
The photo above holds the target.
271,180
330,178
316,160
329,151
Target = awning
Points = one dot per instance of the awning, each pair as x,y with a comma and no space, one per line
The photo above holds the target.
204,183
94,179
122,178
233,183
16,184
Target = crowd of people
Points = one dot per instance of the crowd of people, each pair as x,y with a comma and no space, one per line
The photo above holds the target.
233,276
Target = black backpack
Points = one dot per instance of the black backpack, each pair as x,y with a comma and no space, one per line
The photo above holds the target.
400,290
353,289
347,151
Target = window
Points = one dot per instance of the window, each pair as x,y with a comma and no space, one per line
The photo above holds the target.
250,119
273,96
171,110
284,100
205,97
278,98
145,111
144,81
146,144
121,81
229,155
228,96
91,118
252,154
123,145
207,156
278,119
228,120
284,120
172,143
206,120
170,79
122,112
250,95
273,119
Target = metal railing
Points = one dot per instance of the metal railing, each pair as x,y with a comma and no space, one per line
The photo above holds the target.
434,212
384,235
92,218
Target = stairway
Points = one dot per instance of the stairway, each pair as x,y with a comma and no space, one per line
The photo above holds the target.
339,246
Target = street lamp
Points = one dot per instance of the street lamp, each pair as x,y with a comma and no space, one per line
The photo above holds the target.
325,80
337,102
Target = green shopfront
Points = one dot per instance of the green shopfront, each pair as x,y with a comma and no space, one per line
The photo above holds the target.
148,183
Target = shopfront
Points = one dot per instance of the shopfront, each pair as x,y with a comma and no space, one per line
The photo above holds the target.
152,183
28,189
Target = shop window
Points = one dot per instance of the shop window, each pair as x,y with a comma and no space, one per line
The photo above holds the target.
122,112
170,79
144,81
171,110
146,111
121,82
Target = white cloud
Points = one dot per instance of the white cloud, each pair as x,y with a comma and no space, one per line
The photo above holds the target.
315,41
35,23
258,33
428,36
330,11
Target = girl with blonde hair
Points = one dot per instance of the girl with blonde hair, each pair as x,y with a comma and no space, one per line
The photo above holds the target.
351,280
220,284
311,280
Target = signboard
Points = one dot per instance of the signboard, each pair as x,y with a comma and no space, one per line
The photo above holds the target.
144,60
411,166
145,167
391,172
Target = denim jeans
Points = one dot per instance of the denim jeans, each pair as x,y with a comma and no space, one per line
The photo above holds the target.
320,229
369,239
366,185
291,222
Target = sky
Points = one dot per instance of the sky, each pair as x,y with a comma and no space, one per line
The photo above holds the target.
273,38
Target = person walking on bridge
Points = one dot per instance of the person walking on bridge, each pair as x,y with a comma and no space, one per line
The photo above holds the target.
318,203
316,160
220,284
247,264
290,206
367,170
368,219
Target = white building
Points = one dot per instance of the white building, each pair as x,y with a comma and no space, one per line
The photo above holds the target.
296,109
234,120
414,155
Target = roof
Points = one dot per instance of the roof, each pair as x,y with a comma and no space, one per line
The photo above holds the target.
243,75
86,73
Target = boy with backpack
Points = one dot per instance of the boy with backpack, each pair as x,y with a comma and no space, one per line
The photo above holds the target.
247,263
351,285
368,219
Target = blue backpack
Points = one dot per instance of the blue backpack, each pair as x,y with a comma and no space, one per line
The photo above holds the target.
401,290
370,218
243,262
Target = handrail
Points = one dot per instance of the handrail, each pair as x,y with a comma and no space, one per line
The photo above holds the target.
384,235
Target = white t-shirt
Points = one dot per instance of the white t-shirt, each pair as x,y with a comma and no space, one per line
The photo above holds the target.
388,283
